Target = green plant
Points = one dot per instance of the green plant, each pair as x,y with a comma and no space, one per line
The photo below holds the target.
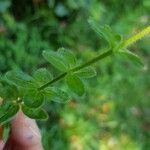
28,93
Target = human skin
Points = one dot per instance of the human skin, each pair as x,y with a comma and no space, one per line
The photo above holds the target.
24,135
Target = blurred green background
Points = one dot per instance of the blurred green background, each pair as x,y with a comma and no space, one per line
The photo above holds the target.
115,112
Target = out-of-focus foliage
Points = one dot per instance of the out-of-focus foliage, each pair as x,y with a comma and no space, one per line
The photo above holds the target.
115,112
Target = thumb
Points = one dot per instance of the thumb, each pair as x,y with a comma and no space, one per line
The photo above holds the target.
1,145
25,133
1,136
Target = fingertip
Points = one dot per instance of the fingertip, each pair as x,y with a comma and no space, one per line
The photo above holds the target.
1,145
25,131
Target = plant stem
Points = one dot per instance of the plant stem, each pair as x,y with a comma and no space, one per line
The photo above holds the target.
136,37
90,62
52,81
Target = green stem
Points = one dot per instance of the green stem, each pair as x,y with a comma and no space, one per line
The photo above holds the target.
92,61
52,81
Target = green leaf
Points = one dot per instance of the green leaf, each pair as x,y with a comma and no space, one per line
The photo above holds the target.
33,99
86,72
106,32
133,57
19,78
67,57
8,113
9,92
38,113
56,95
42,76
55,59
75,84
102,31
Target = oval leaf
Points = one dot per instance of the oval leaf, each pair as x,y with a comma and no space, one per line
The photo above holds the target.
19,78
42,76
33,99
133,57
55,59
9,92
106,32
68,57
38,113
75,84
86,72
56,95
8,113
